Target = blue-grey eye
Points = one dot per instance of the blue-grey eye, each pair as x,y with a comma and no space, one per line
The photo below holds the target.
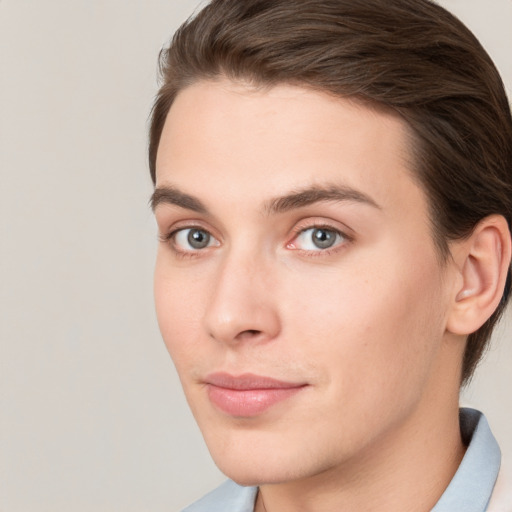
198,239
317,239
323,238
193,239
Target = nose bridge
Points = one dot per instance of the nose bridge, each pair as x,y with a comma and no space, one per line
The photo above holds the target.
242,304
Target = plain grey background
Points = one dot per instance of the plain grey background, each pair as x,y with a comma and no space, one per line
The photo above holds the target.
91,416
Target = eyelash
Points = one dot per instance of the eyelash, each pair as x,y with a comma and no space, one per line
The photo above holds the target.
169,238
320,252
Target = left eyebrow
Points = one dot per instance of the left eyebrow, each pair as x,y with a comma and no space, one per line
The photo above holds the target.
316,194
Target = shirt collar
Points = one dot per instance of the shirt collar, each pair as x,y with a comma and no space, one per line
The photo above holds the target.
471,487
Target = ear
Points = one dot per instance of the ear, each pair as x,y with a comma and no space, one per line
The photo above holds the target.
483,261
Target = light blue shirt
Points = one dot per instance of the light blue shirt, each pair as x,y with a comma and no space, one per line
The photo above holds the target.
469,491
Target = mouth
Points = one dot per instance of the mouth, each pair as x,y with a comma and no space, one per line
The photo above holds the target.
248,395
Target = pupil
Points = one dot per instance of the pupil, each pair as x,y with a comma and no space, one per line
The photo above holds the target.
323,238
198,239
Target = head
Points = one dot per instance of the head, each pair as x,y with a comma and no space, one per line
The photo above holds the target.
411,65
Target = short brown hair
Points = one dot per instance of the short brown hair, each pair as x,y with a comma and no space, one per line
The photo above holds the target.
411,56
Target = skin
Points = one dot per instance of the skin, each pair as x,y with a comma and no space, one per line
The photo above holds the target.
363,324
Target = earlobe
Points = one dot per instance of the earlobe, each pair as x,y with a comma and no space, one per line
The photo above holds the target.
483,261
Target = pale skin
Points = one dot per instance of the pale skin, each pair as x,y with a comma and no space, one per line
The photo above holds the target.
365,317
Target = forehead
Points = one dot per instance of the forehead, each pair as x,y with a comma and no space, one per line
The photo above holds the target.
225,140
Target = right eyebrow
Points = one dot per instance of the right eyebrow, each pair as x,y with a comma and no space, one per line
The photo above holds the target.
171,195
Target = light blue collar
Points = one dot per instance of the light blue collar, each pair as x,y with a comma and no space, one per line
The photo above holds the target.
471,487
229,497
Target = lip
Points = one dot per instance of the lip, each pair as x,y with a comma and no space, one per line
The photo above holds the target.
248,395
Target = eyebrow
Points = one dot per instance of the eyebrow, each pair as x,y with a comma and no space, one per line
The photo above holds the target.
294,200
171,195
315,194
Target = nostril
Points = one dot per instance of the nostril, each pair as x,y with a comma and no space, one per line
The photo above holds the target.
250,332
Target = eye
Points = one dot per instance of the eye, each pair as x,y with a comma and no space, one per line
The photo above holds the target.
192,239
317,239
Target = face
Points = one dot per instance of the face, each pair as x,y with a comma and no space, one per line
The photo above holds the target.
297,286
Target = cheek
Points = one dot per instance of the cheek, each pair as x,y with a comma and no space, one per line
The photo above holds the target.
374,326
178,301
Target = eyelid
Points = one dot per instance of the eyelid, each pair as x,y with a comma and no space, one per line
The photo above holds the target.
168,226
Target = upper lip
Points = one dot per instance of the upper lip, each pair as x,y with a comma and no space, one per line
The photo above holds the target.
248,381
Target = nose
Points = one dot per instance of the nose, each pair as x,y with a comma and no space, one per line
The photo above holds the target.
242,305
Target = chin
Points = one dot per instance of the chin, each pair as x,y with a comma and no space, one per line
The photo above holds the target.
256,464
245,468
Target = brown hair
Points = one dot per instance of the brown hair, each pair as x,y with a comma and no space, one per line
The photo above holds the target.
409,55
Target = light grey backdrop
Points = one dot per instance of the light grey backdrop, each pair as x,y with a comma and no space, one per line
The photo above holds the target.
91,415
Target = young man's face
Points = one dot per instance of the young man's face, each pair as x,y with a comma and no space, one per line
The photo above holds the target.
297,285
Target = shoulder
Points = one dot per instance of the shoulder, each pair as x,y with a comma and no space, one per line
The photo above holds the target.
501,500
228,496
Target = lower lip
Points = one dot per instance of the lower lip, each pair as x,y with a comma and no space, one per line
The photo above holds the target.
248,402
